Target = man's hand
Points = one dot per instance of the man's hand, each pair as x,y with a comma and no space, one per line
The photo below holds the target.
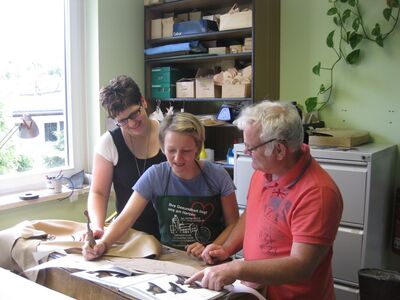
90,253
213,254
215,278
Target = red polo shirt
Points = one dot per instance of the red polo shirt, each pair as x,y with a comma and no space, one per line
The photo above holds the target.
303,206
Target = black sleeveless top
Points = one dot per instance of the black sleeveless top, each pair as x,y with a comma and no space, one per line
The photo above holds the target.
126,175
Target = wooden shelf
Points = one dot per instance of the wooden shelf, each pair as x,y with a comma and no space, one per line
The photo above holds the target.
186,5
204,57
208,36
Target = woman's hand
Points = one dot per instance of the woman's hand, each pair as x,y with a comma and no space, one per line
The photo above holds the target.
98,250
97,234
195,249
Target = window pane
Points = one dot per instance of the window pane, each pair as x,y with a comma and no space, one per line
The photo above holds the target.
50,132
32,81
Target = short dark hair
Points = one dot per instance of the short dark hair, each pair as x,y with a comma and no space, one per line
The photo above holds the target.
119,94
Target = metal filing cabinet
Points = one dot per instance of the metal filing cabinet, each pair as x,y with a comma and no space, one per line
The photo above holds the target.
365,176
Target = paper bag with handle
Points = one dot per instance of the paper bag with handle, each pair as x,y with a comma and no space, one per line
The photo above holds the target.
236,19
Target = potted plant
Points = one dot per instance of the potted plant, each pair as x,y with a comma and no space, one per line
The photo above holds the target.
345,41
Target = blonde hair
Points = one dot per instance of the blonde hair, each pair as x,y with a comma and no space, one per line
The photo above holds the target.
185,123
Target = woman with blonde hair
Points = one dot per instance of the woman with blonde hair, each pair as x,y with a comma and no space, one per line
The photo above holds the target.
195,200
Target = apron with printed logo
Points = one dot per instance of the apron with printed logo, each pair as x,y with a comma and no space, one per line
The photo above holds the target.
184,220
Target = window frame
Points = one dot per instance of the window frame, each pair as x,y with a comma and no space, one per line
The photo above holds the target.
75,108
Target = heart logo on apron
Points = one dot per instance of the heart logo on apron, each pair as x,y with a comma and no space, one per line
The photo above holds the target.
206,207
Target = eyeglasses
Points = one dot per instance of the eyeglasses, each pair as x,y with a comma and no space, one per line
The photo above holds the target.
132,116
252,149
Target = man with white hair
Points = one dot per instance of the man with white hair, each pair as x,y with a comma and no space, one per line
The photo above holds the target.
292,215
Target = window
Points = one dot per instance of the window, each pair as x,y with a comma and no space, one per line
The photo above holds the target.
41,73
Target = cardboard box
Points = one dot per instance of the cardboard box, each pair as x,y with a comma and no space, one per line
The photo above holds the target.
245,49
163,91
167,27
185,88
183,17
248,44
211,18
156,29
204,84
195,15
235,48
338,137
242,19
218,50
240,90
167,75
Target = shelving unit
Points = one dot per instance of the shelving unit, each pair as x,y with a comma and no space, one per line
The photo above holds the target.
264,59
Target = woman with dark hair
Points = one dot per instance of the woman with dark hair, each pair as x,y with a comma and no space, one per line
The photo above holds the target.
123,154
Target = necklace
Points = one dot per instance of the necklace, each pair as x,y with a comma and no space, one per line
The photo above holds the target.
140,172
137,166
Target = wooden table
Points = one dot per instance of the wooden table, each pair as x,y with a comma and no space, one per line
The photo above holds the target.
61,280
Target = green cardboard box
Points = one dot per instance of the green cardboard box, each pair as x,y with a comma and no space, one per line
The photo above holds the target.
163,91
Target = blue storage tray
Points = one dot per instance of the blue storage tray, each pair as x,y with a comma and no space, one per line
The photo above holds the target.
194,27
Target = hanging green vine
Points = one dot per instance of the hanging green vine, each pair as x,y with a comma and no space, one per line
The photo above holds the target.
347,16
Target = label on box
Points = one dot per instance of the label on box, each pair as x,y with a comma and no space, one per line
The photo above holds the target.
185,88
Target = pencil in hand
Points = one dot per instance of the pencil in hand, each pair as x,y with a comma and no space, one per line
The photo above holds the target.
90,236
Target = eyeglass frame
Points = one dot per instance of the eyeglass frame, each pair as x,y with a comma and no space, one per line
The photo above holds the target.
252,149
132,116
